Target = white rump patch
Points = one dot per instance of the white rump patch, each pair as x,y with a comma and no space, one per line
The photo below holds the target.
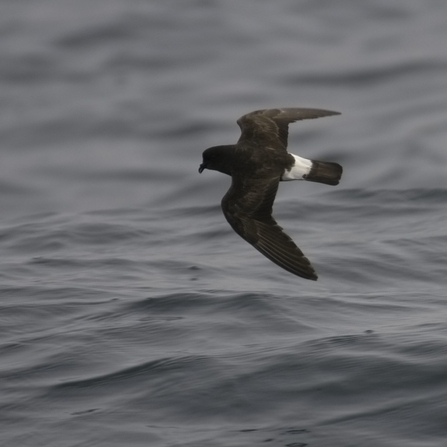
301,167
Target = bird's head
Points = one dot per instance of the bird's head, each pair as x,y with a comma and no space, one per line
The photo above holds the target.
217,158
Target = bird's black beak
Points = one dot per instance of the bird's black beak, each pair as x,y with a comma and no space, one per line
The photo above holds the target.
201,168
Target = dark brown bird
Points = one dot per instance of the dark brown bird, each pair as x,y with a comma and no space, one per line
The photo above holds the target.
256,164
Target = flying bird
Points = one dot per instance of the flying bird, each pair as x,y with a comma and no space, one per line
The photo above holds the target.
256,164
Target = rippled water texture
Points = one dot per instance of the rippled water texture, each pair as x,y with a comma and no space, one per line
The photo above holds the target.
130,312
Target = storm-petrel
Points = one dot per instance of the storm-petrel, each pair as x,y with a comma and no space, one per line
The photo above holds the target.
256,164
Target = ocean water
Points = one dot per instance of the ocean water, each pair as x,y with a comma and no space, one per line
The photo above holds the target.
130,312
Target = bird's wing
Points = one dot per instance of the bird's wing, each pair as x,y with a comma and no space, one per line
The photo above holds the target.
271,126
247,206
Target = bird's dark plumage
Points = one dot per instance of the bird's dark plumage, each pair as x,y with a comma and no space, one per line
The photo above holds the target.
257,163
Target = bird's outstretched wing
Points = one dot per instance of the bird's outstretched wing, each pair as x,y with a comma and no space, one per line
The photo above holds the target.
247,207
270,127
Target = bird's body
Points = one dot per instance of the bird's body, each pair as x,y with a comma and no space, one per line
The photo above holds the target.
256,164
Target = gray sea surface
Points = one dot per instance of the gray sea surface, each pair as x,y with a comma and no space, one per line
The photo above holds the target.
131,314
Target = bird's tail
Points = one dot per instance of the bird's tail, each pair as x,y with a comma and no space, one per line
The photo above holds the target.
324,172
